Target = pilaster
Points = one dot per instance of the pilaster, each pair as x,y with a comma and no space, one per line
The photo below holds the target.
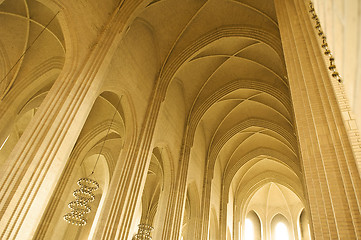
175,209
127,188
35,165
223,211
236,222
329,164
205,204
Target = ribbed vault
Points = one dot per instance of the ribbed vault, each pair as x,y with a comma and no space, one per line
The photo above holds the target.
182,110
235,98
31,40
32,54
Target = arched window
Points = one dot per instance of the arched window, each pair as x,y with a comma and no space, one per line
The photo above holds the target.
280,228
249,229
252,227
281,231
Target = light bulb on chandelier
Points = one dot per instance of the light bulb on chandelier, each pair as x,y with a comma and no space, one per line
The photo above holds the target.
84,194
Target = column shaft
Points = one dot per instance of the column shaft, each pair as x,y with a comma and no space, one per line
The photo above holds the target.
175,210
36,163
329,165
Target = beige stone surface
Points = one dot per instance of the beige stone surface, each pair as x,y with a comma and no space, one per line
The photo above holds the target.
193,116
341,21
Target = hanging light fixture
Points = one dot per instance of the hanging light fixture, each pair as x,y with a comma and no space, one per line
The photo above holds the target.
84,194
144,231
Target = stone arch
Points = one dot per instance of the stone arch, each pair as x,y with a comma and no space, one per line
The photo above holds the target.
163,153
190,224
280,226
272,177
28,74
90,148
256,225
254,84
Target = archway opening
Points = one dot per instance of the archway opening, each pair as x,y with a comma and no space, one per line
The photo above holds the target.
280,228
94,156
32,55
281,232
252,227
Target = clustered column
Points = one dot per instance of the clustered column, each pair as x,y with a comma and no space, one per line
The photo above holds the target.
329,166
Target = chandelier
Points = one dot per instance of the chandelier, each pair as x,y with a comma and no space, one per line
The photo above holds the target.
144,231
84,195
79,207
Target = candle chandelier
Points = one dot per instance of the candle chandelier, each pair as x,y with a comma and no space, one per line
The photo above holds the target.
84,194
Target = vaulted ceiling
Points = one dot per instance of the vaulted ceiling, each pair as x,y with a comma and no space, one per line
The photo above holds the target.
31,44
226,57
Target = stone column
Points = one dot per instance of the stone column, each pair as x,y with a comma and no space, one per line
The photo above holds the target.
36,163
172,228
223,211
331,178
205,204
127,185
236,222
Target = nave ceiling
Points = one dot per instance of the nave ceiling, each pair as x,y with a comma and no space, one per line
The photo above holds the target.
225,86
218,71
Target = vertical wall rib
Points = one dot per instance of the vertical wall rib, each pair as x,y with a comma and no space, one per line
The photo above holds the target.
329,165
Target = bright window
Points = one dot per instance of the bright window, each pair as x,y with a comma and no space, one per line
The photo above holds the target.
281,232
249,230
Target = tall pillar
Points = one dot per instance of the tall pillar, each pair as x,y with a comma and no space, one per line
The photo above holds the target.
172,229
205,204
36,163
236,222
128,181
223,212
331,177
